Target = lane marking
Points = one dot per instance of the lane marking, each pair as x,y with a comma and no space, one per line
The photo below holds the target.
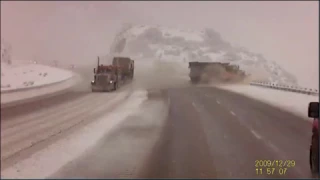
232,113
255,134
272,146
218,102
277,150
195,107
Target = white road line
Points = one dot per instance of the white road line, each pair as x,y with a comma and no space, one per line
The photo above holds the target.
232,113
195,107
218,102
277,150
255,134
272,146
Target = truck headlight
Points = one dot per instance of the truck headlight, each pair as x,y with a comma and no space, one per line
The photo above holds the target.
92,82
111,82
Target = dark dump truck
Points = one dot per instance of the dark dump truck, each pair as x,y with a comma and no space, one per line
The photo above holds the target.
205,72
111,77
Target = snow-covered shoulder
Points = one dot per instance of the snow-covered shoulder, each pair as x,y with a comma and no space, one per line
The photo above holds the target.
30,75
289,101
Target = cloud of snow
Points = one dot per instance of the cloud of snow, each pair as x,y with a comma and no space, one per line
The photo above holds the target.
153,74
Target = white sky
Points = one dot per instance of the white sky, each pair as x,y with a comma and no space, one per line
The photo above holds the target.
285,32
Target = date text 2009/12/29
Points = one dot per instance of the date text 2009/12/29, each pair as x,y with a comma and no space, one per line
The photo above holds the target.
275,163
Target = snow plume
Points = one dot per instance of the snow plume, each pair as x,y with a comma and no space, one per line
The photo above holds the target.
154,74
181,46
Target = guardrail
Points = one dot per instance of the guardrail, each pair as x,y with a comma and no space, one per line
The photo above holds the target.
295,89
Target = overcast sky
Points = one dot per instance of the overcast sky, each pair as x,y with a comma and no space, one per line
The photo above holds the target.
285,32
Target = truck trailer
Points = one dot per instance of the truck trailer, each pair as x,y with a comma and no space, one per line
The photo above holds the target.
127,66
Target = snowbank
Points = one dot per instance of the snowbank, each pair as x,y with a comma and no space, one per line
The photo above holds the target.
28,95
290,101
47,161
19,77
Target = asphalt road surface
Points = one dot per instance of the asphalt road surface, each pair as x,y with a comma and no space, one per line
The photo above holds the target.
207,133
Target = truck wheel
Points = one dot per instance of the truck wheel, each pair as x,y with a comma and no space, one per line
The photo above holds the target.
314,157
115,86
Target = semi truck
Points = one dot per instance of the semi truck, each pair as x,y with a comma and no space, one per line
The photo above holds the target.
205,72
111,77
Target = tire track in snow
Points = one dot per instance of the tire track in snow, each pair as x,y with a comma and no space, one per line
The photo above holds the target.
57,122
23,122
49,160
47,123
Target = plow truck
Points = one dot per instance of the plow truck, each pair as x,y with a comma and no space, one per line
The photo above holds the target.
205,72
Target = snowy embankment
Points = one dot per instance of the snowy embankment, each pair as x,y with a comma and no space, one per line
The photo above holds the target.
47,161
25,81
15,78
289,101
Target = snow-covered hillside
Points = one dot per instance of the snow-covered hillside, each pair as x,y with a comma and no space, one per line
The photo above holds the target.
169,44
32,75
17,74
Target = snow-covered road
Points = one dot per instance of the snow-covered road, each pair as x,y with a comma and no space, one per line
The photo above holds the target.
21,134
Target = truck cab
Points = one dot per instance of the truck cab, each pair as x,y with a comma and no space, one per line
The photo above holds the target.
313,112
105,78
